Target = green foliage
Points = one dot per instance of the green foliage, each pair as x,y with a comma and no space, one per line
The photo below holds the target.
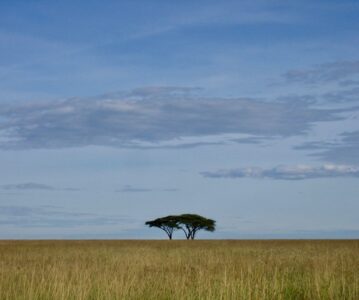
190,224
168,224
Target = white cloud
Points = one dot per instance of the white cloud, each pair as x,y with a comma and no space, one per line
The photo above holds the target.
297,172
152,116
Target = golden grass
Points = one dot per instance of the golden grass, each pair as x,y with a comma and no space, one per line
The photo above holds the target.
179,270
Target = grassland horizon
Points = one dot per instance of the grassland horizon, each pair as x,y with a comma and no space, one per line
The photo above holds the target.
179,269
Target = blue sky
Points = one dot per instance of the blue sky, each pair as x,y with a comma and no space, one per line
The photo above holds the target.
116,112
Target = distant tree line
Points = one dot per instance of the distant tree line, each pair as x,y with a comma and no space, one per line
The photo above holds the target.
190,224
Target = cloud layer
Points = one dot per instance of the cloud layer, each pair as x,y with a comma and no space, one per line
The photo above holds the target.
151,115
344,151
53,216
133,189
299,172
30,186
327,72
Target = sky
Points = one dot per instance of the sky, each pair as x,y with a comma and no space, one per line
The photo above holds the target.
113,113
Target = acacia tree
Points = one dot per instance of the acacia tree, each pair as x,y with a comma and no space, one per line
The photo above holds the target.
192,223
168,224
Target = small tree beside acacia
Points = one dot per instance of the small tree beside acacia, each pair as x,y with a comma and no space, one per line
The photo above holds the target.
190,224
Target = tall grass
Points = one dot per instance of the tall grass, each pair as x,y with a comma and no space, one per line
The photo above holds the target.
179,270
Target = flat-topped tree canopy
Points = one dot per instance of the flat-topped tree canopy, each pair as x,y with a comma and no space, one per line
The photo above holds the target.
192,223
189,223
168,224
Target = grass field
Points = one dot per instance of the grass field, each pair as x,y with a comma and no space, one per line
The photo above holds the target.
179,270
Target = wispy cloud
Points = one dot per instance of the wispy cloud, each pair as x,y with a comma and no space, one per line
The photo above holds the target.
170,190
349,82
344,150
34,186
151,116
348,95
132,189
327,72
53,216
298,172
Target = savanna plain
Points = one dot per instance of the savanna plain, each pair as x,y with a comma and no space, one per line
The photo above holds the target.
199,269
